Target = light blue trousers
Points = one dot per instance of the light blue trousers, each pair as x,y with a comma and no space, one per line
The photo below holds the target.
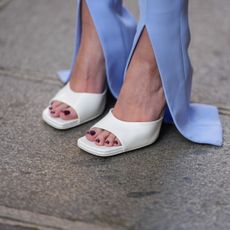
167,24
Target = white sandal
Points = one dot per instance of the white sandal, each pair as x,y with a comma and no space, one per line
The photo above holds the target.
88,106
132,135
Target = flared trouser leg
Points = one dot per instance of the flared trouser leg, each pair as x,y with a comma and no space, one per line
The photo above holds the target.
166,22
116,28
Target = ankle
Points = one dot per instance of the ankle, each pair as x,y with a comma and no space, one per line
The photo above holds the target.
88,78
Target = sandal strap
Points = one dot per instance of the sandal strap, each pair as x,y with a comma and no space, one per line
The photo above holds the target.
86,105
130,134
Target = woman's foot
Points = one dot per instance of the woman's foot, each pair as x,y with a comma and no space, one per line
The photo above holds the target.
141,97
89,70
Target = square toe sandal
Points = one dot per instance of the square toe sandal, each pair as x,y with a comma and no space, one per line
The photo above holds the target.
88,106
132,135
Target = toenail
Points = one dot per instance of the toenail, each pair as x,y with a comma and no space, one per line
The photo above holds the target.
97,140
107,142
50,108
116,142
66,112
92,132
52,112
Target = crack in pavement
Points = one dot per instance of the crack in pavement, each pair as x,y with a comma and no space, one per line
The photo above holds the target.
50,79
44,222
4,3
26,75
14,222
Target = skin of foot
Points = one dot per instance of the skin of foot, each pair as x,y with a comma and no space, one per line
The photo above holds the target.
85,76
141,97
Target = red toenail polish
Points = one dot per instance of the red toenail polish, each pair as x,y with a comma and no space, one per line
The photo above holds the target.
107,142
66,112
97,140
92,132
116,142
50,108
52,112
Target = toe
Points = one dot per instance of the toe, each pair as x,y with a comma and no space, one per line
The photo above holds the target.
68,113
100,140
54,104
92,134
116,142
110,140
55,112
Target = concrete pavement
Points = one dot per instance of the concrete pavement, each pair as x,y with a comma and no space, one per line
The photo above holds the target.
46,182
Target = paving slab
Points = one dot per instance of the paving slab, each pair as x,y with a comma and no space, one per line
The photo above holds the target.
173,184
38,37
210,51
